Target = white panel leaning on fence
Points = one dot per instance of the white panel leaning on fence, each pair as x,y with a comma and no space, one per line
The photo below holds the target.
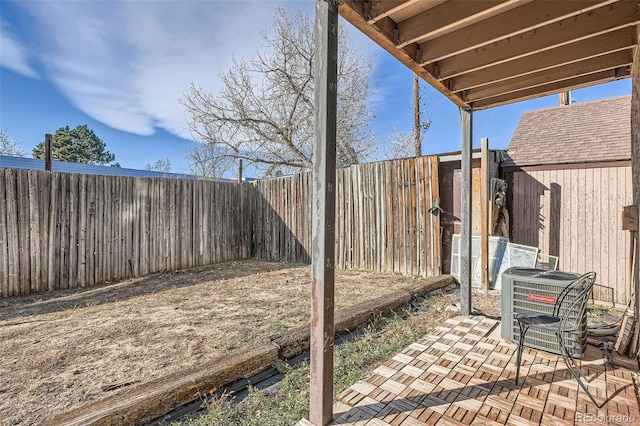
502,256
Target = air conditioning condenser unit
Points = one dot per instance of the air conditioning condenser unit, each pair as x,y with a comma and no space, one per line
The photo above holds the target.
535,291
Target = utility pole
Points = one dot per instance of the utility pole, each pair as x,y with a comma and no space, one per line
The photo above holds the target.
419,128
416,115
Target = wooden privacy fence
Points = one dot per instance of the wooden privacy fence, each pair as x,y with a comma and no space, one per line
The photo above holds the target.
282,218
60,230
383,221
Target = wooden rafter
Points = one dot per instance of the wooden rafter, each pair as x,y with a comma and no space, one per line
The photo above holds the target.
591,24
448,17
522,19
595,48
381,9
484,53
611,61
553,88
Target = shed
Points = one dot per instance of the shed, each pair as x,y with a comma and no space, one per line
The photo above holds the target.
569,175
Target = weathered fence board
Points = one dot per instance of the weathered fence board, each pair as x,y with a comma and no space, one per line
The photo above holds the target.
61,230
13,286
4,260
382,217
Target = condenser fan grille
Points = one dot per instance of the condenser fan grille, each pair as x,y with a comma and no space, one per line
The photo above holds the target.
534,291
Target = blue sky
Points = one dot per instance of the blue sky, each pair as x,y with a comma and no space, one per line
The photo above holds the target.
119,66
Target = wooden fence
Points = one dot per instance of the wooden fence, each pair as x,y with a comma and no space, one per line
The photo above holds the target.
60,230
282,219
382,217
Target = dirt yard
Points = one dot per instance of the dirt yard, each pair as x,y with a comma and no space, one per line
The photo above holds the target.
62,350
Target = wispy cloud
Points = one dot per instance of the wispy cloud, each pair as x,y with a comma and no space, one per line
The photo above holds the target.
14,55
125,63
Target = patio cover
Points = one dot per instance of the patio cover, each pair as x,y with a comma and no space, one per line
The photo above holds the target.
479,54
482,54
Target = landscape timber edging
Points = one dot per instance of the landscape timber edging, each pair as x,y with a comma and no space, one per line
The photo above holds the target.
152,400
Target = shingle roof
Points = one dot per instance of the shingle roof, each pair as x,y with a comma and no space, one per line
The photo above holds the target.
583,132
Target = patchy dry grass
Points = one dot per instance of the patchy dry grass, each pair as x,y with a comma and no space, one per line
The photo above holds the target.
353,361
59,349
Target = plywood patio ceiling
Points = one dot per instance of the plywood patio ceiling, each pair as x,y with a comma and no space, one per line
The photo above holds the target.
482,54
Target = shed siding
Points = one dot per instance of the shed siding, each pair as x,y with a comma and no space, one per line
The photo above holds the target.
576,214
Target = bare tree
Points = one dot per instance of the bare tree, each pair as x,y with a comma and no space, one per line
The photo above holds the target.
409,144
400,145
10,146
205,161
263,113
160,166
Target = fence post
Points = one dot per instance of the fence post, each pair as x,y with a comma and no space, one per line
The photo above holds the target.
484,213
47,152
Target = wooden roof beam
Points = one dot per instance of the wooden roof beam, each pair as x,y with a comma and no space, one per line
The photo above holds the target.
524,18
606,62
581,27
449,17
591,48
553,88
379,9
